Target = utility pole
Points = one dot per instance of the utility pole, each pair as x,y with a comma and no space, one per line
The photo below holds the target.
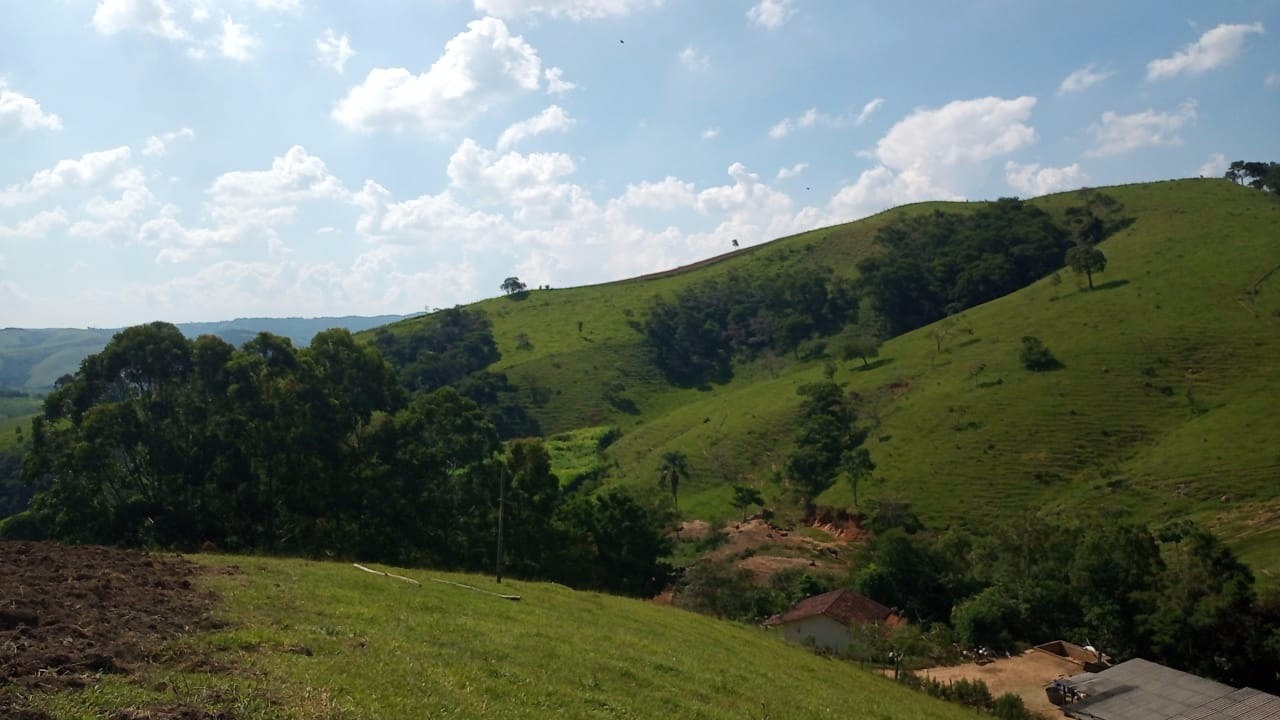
502,497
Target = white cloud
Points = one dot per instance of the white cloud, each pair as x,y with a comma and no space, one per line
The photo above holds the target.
154,17
693,61
710,133
1116,134
771,14
116,217
571,9
1215,167
158,145
809,118
667,194
1083,79
1272,80
533,184
1217,47
1033,180
937,154
89,169
295,177
19,112
236,42
794,170
868,110
440,217
552,119
37,226
556,84
334,50
480,69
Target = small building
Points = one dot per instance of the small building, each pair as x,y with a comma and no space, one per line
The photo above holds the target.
824,620
1143,690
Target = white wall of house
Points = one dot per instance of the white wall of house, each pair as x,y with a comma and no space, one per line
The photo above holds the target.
826,633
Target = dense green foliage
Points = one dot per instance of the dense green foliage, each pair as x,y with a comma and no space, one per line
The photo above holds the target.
159,440
828,441
1177,596
454,349
1260,175
696,336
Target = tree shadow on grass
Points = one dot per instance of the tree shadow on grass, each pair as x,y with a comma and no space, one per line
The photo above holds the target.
877,363
1110,285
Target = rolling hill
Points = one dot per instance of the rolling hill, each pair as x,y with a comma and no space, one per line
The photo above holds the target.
1161,408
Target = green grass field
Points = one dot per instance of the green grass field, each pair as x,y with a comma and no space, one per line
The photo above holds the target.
1161,409
385,649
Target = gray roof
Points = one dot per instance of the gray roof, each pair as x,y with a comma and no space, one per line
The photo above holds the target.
1143,690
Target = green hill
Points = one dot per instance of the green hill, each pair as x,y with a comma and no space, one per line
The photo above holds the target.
1161,408
380,648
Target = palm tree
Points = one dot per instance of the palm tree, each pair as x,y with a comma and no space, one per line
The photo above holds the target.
674,466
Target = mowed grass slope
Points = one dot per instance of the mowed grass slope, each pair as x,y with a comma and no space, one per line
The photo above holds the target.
381,648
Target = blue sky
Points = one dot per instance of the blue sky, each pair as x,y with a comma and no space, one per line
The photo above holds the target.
190,160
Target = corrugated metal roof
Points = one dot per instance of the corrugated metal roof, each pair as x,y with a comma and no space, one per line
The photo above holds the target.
1143,690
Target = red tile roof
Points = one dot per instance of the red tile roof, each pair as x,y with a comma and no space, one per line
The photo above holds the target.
844,606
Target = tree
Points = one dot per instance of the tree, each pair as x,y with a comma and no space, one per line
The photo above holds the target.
1036,356
1263,176
1086,259
744,496
513,286
671,470
827,431
857,466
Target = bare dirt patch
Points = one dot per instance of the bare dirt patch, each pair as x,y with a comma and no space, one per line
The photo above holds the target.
765,548
69,614
1024,675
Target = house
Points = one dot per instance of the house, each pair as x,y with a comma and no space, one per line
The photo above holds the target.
825,619
1143,690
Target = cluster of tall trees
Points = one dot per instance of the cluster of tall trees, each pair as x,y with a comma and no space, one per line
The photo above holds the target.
1175,595
160,440
454,349
696,335
1263,176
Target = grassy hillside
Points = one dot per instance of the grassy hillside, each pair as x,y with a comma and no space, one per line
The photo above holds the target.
381,648
1160,410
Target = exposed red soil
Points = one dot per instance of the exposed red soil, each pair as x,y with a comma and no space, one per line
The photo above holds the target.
71,613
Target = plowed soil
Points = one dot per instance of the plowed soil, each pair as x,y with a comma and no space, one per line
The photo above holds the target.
71,613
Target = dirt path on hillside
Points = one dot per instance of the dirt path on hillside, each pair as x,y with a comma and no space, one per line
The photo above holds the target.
69,614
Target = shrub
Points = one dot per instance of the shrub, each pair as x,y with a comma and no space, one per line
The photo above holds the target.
1036,356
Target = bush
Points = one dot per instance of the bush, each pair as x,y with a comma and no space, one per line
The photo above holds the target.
1010,707
1035,355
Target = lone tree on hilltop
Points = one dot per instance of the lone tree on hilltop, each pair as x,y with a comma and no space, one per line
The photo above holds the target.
512,286
1086,259
673,468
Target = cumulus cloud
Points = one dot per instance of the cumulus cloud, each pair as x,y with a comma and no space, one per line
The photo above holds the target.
570,9
89,169
118,216
694,61
771,14
153,17
553,119
36,227
868,110
334,50
480,69
1033,180
934,154
1216,48
1272,80
19,112
236,42
1215,167
556,84
1116,134
710,133
809,118
158,145
794,170
1083,79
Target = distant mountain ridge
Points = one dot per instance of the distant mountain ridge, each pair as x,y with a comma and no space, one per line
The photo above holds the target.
35,357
